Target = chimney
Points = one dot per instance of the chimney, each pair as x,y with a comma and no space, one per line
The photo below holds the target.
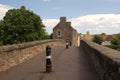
62,19
69,23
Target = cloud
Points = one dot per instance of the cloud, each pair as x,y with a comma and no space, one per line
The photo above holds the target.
98,23
96,19
46,0
95,24
3,10
50,24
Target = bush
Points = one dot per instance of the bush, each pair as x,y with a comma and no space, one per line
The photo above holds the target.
112,46
115,41
98,39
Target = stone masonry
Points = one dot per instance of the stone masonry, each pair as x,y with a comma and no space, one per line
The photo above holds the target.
106,60
12,55
64,30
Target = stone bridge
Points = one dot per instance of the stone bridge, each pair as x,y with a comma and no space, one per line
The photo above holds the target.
88,61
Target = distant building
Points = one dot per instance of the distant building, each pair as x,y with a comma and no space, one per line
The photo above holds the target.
106,43
88,36
109,37
64,30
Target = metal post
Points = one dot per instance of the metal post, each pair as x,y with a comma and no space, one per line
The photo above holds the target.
67,45
48,59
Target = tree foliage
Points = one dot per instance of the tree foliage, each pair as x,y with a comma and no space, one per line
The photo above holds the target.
21,25
51,36
116,41
98,39
103,33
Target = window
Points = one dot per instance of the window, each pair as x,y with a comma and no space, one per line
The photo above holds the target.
58,34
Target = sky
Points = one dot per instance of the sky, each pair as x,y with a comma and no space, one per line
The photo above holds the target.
95,16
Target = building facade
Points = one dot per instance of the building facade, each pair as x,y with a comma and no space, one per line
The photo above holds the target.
64,30
88,36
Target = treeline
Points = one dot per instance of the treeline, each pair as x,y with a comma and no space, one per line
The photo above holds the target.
21,25
115,41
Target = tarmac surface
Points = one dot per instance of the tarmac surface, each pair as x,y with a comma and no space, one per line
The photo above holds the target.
67,64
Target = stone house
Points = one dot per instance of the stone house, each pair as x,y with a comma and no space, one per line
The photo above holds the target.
64,30
88,36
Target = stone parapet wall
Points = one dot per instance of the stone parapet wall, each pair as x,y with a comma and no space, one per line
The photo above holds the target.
106,60
12,55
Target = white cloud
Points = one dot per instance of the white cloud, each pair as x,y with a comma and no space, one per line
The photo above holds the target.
46,0
97,23
50,24
97,19
3,10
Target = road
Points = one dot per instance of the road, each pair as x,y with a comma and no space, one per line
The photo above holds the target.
67,64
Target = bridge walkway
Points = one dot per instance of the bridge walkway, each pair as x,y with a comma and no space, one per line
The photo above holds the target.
68,64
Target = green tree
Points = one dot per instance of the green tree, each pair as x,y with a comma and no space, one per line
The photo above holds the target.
116,40
98,39
103,33
21,25
1,35
118,36
51,36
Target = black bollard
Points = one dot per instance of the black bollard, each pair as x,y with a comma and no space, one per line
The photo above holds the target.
67,45
48,59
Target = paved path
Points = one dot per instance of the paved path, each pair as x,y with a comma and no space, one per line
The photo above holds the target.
68,64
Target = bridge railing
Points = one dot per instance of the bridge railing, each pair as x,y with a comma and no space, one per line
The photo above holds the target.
106,60
11,55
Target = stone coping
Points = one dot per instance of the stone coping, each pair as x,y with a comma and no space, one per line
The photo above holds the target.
108,52
8,48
